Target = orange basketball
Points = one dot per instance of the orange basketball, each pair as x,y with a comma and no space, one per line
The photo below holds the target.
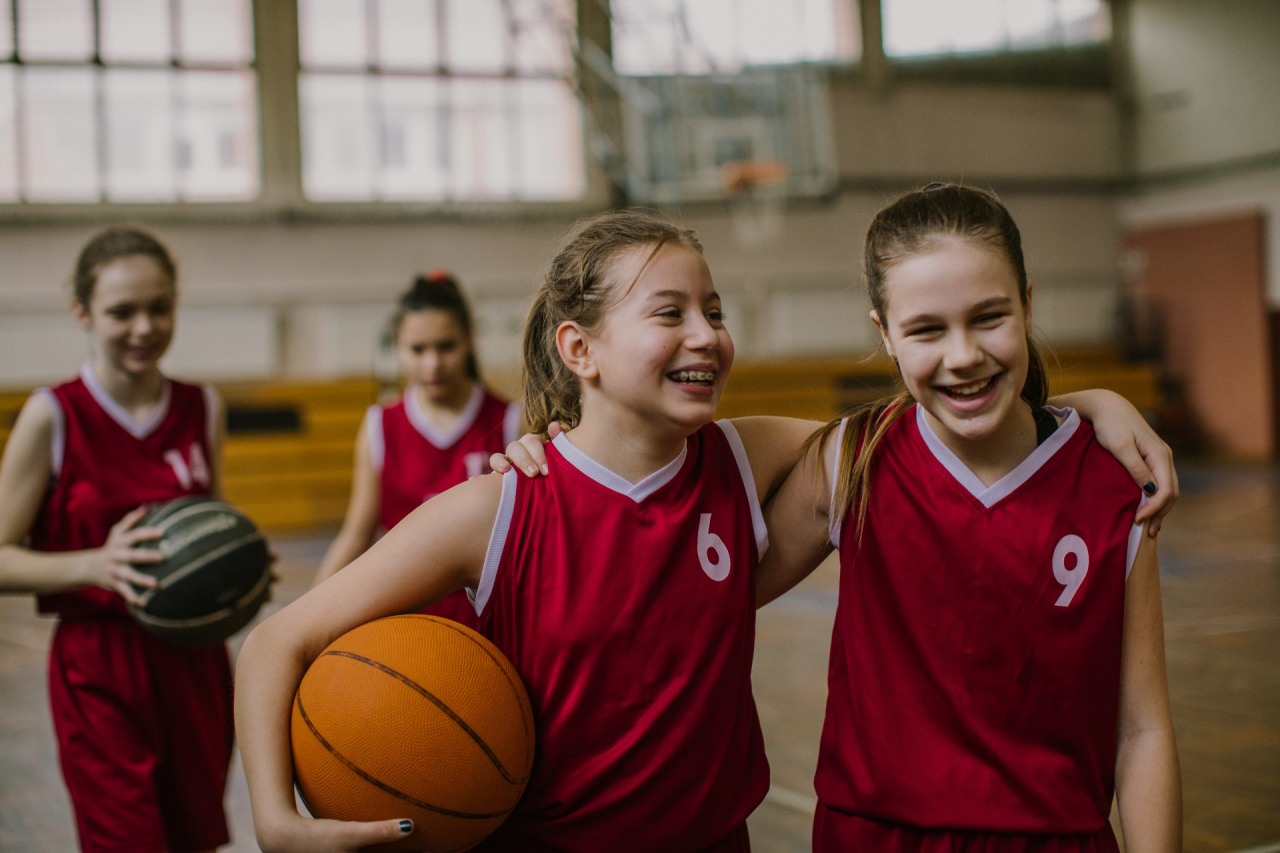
413,717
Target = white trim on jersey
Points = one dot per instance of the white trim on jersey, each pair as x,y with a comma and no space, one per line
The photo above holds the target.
373,432
1135,539
117,413
58,434
616,482
748,481
511,427
835,519
213,413
989,496
443,438
497,541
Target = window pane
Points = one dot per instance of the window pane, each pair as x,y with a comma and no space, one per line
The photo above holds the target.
59,134
337,146
480,136
333,33
139,135
549,140
475,31
8,134
703,36
939,27
135,30
55,29
408,37
412,148
215,31
545,31
217,141
6,33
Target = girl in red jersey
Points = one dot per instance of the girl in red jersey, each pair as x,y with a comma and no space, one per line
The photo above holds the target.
622,588
439,432
143,728
997,661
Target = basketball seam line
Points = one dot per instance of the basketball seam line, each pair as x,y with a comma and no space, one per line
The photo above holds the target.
204,559
517,689
378,783
210,618
433,699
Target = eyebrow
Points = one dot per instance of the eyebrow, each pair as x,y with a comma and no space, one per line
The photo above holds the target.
678,294
993,302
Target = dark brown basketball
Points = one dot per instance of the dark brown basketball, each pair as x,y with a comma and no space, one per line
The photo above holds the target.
215,576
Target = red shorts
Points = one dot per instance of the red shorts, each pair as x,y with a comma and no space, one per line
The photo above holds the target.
834,830
144,736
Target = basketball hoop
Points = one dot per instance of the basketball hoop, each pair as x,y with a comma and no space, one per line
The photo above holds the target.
756,191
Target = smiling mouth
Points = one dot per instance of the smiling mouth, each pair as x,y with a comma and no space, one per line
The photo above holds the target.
693,377
970,391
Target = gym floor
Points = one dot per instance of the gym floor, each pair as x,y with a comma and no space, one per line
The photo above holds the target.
1220,557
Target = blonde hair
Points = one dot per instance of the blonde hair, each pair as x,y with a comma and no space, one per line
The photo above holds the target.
578,287
902,228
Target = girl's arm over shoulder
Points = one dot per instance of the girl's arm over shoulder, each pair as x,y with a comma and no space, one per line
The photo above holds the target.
438,548
773,446
1125,433
1148,782
797,517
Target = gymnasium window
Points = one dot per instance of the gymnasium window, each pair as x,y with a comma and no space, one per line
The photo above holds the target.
1021,41
719,36
127,101
439,100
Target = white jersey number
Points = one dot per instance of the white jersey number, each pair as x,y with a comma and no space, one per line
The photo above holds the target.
712,553
196,470
1070,578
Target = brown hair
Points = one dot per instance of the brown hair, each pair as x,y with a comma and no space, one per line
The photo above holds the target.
578,287
438,290
904,227
110,245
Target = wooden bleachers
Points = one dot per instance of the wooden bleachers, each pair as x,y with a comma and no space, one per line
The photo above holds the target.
290,445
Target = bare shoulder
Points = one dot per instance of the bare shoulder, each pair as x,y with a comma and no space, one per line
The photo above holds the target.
773,445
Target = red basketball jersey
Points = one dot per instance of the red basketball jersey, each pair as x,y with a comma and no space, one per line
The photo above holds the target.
105,463
416,461
629,611
975,660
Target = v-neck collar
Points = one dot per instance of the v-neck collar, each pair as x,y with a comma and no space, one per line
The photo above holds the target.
130,424
989,496
614,481
443,438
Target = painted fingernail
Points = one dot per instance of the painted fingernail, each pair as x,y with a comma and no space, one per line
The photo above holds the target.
1149,487
406,826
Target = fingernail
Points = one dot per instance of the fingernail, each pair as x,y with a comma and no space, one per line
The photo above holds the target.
545,470
406,826
1149,487
532,470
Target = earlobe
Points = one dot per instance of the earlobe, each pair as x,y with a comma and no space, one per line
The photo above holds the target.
575,350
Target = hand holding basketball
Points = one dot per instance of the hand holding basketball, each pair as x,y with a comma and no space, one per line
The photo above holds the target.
115,565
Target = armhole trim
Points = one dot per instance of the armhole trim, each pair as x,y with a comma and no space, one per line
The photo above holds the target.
835,520
373,432
497,542
749,484
58,433
212,413
1135,539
